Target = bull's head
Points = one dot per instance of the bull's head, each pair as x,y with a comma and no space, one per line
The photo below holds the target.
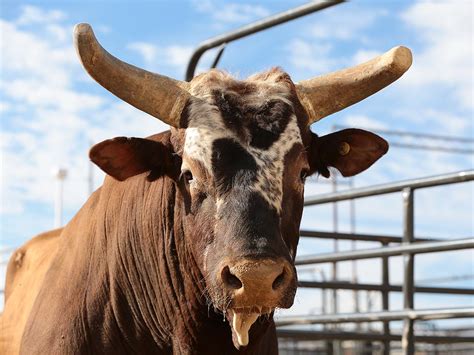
244,149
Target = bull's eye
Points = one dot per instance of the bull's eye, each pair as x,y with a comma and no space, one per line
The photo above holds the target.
187,176
303,175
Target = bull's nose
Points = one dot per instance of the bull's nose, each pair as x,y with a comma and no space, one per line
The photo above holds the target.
258,282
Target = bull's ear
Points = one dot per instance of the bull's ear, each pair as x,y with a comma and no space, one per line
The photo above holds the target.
123,157
350,151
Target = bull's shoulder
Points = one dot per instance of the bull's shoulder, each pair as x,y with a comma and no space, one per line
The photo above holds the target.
34,255
25,273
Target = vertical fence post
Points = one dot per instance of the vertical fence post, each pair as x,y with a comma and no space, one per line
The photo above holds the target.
408,344
335,221
385,299
354,278
335,225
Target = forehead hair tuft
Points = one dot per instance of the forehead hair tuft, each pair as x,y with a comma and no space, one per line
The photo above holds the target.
273,81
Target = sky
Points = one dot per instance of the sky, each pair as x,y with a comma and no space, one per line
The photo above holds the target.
52,112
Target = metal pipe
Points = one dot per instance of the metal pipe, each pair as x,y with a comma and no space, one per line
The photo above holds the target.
336,346
254,27
386,239
217,59
385,300
414,134
354,276
383,288
335,223
426,314
432,148
461,176
408,335
302,335
415,248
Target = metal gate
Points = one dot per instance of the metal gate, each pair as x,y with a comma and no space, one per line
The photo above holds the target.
408,246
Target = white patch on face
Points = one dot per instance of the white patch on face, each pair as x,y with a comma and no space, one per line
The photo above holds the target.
206,125
270,164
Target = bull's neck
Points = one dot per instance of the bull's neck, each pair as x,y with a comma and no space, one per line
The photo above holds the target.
153,276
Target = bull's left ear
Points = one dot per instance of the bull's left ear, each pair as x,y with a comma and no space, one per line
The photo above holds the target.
350,151
123,157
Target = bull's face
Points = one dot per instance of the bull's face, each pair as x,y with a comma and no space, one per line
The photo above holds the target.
244,163
239,155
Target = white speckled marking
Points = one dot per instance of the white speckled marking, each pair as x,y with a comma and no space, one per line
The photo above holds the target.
206,125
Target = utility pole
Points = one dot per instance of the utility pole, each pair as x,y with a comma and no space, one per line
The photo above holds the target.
60,174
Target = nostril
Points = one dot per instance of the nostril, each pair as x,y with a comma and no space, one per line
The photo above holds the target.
279,280
230,279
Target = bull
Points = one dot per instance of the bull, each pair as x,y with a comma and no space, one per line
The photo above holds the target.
189,245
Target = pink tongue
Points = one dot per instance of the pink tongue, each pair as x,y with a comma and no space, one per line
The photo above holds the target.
241,323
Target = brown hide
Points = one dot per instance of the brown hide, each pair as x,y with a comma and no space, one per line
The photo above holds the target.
25,274
123,282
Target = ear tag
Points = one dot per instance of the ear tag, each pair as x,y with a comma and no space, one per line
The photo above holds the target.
344,148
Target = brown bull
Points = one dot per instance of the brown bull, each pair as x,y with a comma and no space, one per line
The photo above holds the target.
189,245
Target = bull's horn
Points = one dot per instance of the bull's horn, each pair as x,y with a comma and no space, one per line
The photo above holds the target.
333,92
158,95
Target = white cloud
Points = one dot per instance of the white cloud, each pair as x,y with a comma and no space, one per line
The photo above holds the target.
230,13
363,122
345,23
4,106
445,30
172,60
364,55
29,55
48,120
237,13
174,57
307,56
146,50
36,93
35,15
59,32
444,122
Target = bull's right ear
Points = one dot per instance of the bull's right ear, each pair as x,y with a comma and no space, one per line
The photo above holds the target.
123,157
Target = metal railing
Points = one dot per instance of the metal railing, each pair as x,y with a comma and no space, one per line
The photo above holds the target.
258,26
410,246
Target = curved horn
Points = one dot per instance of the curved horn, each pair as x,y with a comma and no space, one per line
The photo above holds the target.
333,92
158,95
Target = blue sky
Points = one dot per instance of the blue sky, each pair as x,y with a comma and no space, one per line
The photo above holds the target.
51,111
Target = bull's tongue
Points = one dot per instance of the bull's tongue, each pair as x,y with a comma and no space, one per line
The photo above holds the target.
241,323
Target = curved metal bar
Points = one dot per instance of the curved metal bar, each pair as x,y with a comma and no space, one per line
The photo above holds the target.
254,27
218,56
461,176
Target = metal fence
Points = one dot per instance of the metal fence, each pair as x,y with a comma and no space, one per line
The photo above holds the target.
408,247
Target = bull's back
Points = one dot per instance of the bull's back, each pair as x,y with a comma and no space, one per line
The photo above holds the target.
25,273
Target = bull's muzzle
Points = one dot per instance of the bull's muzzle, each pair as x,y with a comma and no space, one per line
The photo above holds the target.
256,287
258,283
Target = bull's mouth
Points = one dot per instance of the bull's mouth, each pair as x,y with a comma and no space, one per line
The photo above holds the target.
241,319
